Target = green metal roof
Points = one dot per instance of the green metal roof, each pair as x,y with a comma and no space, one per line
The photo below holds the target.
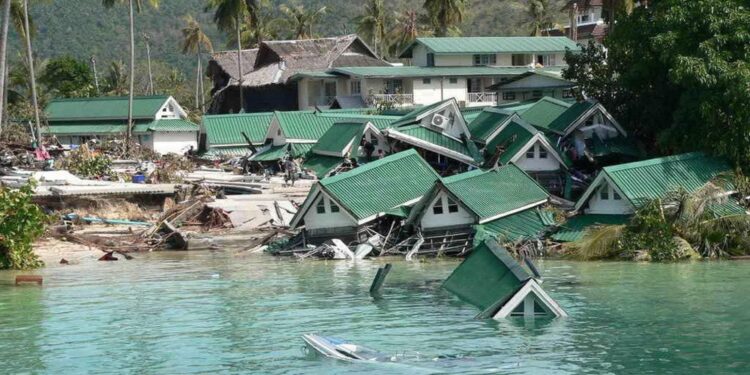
512,138
381,185
277,152
488,277
312,74
544,112
435,138
575,227
167,125
486,123
654,178
525,225
413,116
379,121
506,44
570,115
430,72
338,137
496,191
103,108
321,165
225,152
227,129
616,146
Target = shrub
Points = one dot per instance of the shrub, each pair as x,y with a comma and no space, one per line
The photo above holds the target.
21,223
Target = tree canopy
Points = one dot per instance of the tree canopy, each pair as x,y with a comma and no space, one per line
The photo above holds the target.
67,77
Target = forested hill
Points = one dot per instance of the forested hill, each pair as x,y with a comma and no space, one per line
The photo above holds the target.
84,27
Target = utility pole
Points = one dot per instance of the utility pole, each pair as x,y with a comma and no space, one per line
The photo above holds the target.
96,76
148,59
34,101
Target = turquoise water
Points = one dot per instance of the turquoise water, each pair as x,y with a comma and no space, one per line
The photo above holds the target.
215,312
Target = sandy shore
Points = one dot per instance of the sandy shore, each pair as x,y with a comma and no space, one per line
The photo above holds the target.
51,251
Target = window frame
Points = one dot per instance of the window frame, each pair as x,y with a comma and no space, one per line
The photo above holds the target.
430,59
604,193
334,207
426,81
567,94
438,206
452,206
531,152
453,80
355,83
509,95
321,206
543,153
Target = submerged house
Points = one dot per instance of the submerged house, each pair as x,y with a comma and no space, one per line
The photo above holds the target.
619,190
159,122
491,201
493,281
286,74
343,204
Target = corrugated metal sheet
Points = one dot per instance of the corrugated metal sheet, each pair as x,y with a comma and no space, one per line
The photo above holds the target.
339,136
485,123
382,185
103,108
434,137
227,129
494,192
616,146
574,229
528,224
412,116
225,152
321,165
544,112
654,178
513,44
86,128
296,150
379,121
564,120
512,138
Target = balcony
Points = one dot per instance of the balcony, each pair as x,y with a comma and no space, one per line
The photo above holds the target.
395,99
481,98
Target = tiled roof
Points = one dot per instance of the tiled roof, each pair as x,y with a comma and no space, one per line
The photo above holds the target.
513,44
103,108
227,129
544,112
495,192
527,224
381,185
653,178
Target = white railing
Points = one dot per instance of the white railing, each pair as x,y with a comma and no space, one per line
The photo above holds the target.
482,97
391,98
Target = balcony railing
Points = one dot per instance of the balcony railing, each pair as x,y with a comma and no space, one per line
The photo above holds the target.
325,100
482,97
391,98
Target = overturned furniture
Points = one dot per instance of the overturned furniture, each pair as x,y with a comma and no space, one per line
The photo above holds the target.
492,280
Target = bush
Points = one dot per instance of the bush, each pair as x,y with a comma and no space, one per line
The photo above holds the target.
21,223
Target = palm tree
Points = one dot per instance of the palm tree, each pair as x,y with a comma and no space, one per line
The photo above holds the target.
228,15
194,41
3,56
373,25
541,17
410,25
116,81
300,20
262,26
133,6
446,15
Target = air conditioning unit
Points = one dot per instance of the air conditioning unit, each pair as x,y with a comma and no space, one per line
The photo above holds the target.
440,121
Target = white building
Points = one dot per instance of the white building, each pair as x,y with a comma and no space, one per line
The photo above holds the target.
159,122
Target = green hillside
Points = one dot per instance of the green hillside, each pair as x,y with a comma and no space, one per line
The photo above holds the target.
84,27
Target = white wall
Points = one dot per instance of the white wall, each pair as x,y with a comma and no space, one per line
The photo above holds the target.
303,93
455,90
174,142
382,142
419,55
454,130
168,111
275,133
454,60
610,206
328,220
426,94
446,219
537,164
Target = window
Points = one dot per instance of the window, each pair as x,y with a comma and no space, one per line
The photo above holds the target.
616,196
393,86
530,153
330,89
542,152
321,207
437,209
453,80
604,193
545,60
334,207
536,94
430,59
474,85
278,132
567,94
374,141
426,81
452,206
355,87
490,59
509,96
520,60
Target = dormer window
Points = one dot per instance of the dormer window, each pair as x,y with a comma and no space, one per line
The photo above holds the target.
430,59
321,207
452,206
437,209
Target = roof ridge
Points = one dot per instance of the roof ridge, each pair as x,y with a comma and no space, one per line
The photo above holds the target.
655,161
372,165
251,114
108,98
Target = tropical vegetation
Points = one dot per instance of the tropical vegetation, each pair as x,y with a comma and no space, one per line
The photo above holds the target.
21,223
